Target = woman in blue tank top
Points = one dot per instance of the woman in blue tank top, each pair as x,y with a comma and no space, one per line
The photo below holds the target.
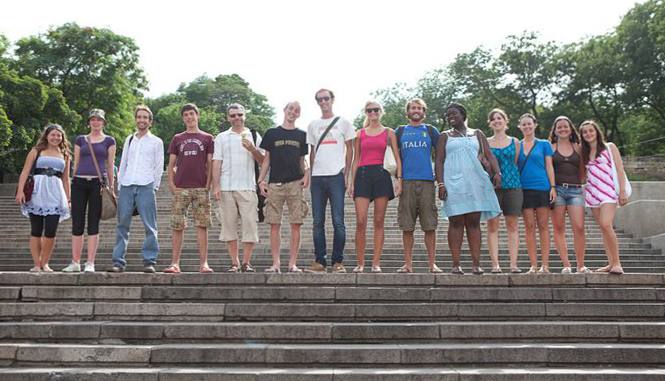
506,150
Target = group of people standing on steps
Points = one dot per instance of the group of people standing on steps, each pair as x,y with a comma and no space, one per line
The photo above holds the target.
251,177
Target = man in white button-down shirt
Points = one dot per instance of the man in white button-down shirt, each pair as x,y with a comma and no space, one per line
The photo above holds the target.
139,176
234,186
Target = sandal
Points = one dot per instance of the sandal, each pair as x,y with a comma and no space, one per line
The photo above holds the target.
295,269
206,270
477,270
47,269
515,270
233,269
566,270
173,269
617,270
359,270
435,270
544,270
533,270
604,269
376,270
272,270
457,270
247,268
496,270
404,270
35,270
583,270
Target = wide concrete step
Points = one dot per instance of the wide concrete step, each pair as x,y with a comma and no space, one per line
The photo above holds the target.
322,373
350,312
153,332
336,355
335,294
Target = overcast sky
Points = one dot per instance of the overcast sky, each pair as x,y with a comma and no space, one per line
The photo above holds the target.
288,49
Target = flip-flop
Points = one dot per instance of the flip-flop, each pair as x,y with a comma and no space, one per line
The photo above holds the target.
173,269
295,269
604,269
457,270
404,270
435,270
616,270
359,270
272,270
206,270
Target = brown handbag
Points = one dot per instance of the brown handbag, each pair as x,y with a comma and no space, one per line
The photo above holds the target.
109,202
29,185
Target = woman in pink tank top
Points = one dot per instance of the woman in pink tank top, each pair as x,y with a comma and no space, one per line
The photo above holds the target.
601,195
371,182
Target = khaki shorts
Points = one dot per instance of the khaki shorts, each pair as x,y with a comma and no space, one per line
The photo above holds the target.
292,194
243,203
417,200
200,200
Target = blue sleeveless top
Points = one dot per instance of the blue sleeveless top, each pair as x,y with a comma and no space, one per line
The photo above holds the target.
510,177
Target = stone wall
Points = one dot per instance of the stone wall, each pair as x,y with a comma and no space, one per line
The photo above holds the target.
645,168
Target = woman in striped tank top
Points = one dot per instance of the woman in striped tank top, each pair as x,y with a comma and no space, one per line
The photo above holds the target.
601,195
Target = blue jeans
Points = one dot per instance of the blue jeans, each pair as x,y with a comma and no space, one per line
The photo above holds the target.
143,197
326,188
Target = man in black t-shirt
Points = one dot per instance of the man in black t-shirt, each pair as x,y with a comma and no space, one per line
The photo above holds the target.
286,148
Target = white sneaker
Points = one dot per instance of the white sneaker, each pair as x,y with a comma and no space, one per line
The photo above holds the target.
89,267
72,268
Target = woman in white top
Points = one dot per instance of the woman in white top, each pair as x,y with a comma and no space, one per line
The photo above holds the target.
49,202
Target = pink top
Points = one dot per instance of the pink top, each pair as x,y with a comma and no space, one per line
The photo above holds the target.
600,184
372,148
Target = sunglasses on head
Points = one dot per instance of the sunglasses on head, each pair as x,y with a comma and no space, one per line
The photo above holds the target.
236,115
54,127
322,99
373,110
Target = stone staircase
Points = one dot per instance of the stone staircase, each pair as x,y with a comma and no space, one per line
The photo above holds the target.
334,327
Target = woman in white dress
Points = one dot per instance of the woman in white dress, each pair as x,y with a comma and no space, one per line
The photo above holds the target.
49,202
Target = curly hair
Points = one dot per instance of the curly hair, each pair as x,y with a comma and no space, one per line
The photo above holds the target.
64,146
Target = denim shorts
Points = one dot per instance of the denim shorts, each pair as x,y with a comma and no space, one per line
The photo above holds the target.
372,181
571,195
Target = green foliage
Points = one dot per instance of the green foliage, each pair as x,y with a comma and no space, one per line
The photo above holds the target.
220,92
26,106
93,68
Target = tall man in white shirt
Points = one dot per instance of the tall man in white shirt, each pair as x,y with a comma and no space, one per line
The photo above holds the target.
234,186
139,177
330,138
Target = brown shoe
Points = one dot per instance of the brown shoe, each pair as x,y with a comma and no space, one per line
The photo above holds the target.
316,268
338,268
247,268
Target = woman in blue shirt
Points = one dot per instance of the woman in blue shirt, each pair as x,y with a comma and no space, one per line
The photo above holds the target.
506,149
538,189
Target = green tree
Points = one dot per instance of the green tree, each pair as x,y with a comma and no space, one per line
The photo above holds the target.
93,68
223,90
641,40
26,105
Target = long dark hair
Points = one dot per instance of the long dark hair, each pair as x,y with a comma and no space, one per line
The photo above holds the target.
574,135
42,143
600,141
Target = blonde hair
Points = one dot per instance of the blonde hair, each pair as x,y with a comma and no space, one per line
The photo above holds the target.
369,102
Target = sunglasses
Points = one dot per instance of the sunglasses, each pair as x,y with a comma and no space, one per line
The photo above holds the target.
322,99
54,127
373,110
236,115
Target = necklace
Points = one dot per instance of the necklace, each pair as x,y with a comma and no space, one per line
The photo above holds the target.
463,135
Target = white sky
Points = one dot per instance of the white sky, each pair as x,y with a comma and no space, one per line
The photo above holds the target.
288,49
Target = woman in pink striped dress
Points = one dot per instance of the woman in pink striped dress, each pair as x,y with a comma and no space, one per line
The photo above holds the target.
601,195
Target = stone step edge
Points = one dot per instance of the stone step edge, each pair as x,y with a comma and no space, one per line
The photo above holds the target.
419,279
324,332
540,354
332,374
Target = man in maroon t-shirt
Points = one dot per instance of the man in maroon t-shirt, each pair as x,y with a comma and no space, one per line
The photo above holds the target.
190,164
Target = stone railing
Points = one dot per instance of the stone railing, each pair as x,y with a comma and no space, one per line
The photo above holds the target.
644,216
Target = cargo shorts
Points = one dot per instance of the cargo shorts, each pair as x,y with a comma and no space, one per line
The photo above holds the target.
199,198
289,193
